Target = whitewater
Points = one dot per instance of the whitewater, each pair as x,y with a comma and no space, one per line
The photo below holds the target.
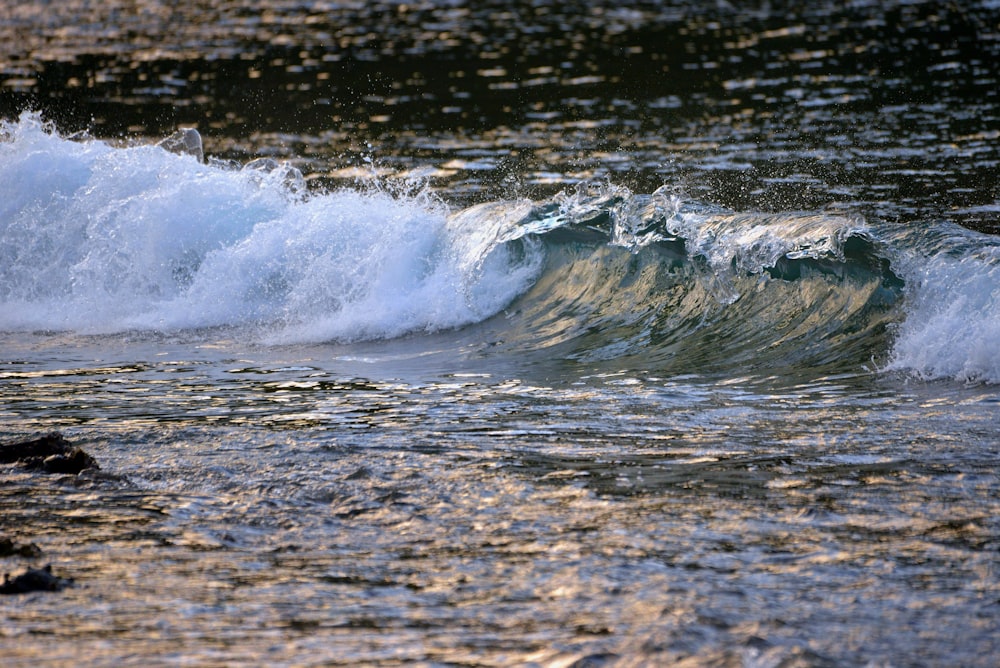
104,239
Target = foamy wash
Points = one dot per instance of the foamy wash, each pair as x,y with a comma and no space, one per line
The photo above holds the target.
97,239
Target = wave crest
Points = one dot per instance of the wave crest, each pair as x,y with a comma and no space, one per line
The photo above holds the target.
669,283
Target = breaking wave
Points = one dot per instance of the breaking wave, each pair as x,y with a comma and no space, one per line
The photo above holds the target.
97,239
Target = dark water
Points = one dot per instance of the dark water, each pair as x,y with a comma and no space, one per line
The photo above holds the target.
602,334
754,105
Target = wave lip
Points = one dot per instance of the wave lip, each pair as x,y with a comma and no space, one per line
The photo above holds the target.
659,282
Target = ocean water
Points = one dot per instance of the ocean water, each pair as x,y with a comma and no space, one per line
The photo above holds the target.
577,334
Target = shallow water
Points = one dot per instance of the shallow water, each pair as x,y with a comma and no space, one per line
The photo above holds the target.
282,507
603,334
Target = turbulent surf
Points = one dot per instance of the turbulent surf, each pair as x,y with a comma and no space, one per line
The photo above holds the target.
99,239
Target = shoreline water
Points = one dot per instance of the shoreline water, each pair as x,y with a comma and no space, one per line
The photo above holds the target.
593,334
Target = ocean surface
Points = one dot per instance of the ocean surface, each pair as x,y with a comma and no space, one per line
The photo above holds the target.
504,333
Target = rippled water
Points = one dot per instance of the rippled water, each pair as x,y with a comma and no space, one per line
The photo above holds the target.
283,508
776,105
605,334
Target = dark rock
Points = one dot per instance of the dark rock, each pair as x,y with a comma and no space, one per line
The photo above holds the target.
595,660
8,548
51,453
40,448
74,462
34,579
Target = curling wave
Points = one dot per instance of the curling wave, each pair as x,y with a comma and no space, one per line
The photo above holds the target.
98,239
666,283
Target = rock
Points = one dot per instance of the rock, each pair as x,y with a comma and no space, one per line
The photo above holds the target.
8,548
595,660
186,141
34,579
37,448
74,462
51,453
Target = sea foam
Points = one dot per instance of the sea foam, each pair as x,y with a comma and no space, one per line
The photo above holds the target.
952,325
98,239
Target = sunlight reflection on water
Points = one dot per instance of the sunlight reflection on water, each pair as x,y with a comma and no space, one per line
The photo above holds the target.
448,500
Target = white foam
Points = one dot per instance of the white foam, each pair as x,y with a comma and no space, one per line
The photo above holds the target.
101,239
952,326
